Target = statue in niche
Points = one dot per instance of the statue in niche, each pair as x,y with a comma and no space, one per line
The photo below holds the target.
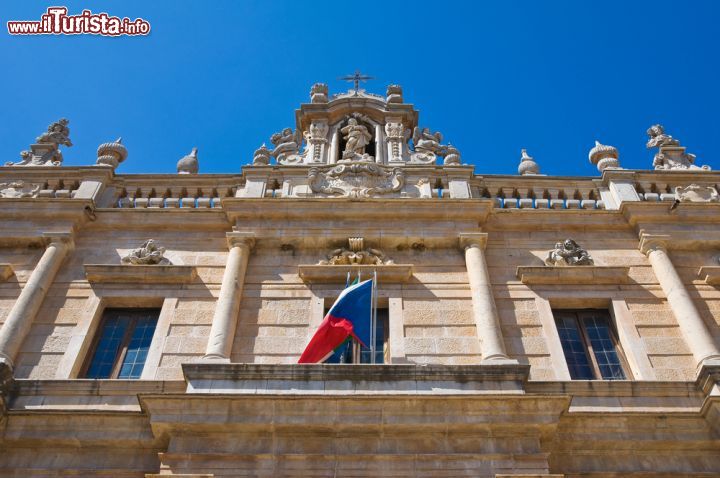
357,137
148,253
568,253
287,145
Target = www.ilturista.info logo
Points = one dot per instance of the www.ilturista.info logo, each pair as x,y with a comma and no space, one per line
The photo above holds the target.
57,22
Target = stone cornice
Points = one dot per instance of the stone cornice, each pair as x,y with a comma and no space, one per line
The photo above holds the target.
573,275
680,240
190,219
645,213
140,274
710,274
336,274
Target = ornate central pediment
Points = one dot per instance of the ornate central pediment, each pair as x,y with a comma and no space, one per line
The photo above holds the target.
356,179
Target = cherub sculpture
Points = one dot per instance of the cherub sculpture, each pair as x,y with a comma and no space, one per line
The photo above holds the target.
658,138
357,137
57,133
287,144
148,253
568,253
670,155
428,142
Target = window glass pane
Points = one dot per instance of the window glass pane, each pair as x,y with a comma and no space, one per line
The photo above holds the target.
574,348
137,350
380,326
111,335
598,330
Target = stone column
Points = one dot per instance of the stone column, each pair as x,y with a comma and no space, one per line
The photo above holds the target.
21,317
379,144
334,145
224,321
487,321
693,328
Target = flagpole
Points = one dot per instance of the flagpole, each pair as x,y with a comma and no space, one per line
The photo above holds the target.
373,321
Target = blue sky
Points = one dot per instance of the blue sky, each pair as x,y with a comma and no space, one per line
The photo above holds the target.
493,77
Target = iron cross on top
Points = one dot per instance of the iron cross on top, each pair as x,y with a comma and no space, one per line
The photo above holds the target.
356,78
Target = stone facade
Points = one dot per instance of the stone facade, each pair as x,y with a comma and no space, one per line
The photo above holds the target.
473,271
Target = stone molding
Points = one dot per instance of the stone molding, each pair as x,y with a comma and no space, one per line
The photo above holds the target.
573,275
354,379
140,274
337,274
6,271
710,274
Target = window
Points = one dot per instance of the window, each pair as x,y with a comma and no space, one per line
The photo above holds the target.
122,343
590,345
351,352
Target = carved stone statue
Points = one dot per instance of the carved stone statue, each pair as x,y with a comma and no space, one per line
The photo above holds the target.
670,155
658,138
148,253
427,146
568,253
57,133
356,254
45,151
287,145
189,164
357,137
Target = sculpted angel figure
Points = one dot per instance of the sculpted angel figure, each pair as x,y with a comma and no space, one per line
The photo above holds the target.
357,137
57,133
426,141
148,253
568,253
287,144
658,138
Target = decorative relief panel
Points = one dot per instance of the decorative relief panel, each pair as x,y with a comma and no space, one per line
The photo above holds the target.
356,179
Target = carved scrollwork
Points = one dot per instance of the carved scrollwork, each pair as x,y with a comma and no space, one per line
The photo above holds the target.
357,179
356,254
18,189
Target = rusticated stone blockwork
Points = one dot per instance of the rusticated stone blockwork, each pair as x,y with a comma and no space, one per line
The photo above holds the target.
529,326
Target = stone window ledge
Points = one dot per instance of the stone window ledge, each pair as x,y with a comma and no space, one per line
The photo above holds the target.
142,274
5,271
573,274
710,274
326,274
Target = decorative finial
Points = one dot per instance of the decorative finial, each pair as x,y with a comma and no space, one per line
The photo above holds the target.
111,154
319,93
356,79
527,164
452,156
261,156
604,157
189,164
394,94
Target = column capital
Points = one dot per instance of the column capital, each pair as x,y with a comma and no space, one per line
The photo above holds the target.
239,238
472,239
652,242
65,238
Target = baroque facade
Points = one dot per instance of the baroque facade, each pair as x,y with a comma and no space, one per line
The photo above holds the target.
528,326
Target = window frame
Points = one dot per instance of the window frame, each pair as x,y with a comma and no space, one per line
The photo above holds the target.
580,316
124,344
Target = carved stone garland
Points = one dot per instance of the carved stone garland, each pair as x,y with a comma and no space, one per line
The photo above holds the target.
357,179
